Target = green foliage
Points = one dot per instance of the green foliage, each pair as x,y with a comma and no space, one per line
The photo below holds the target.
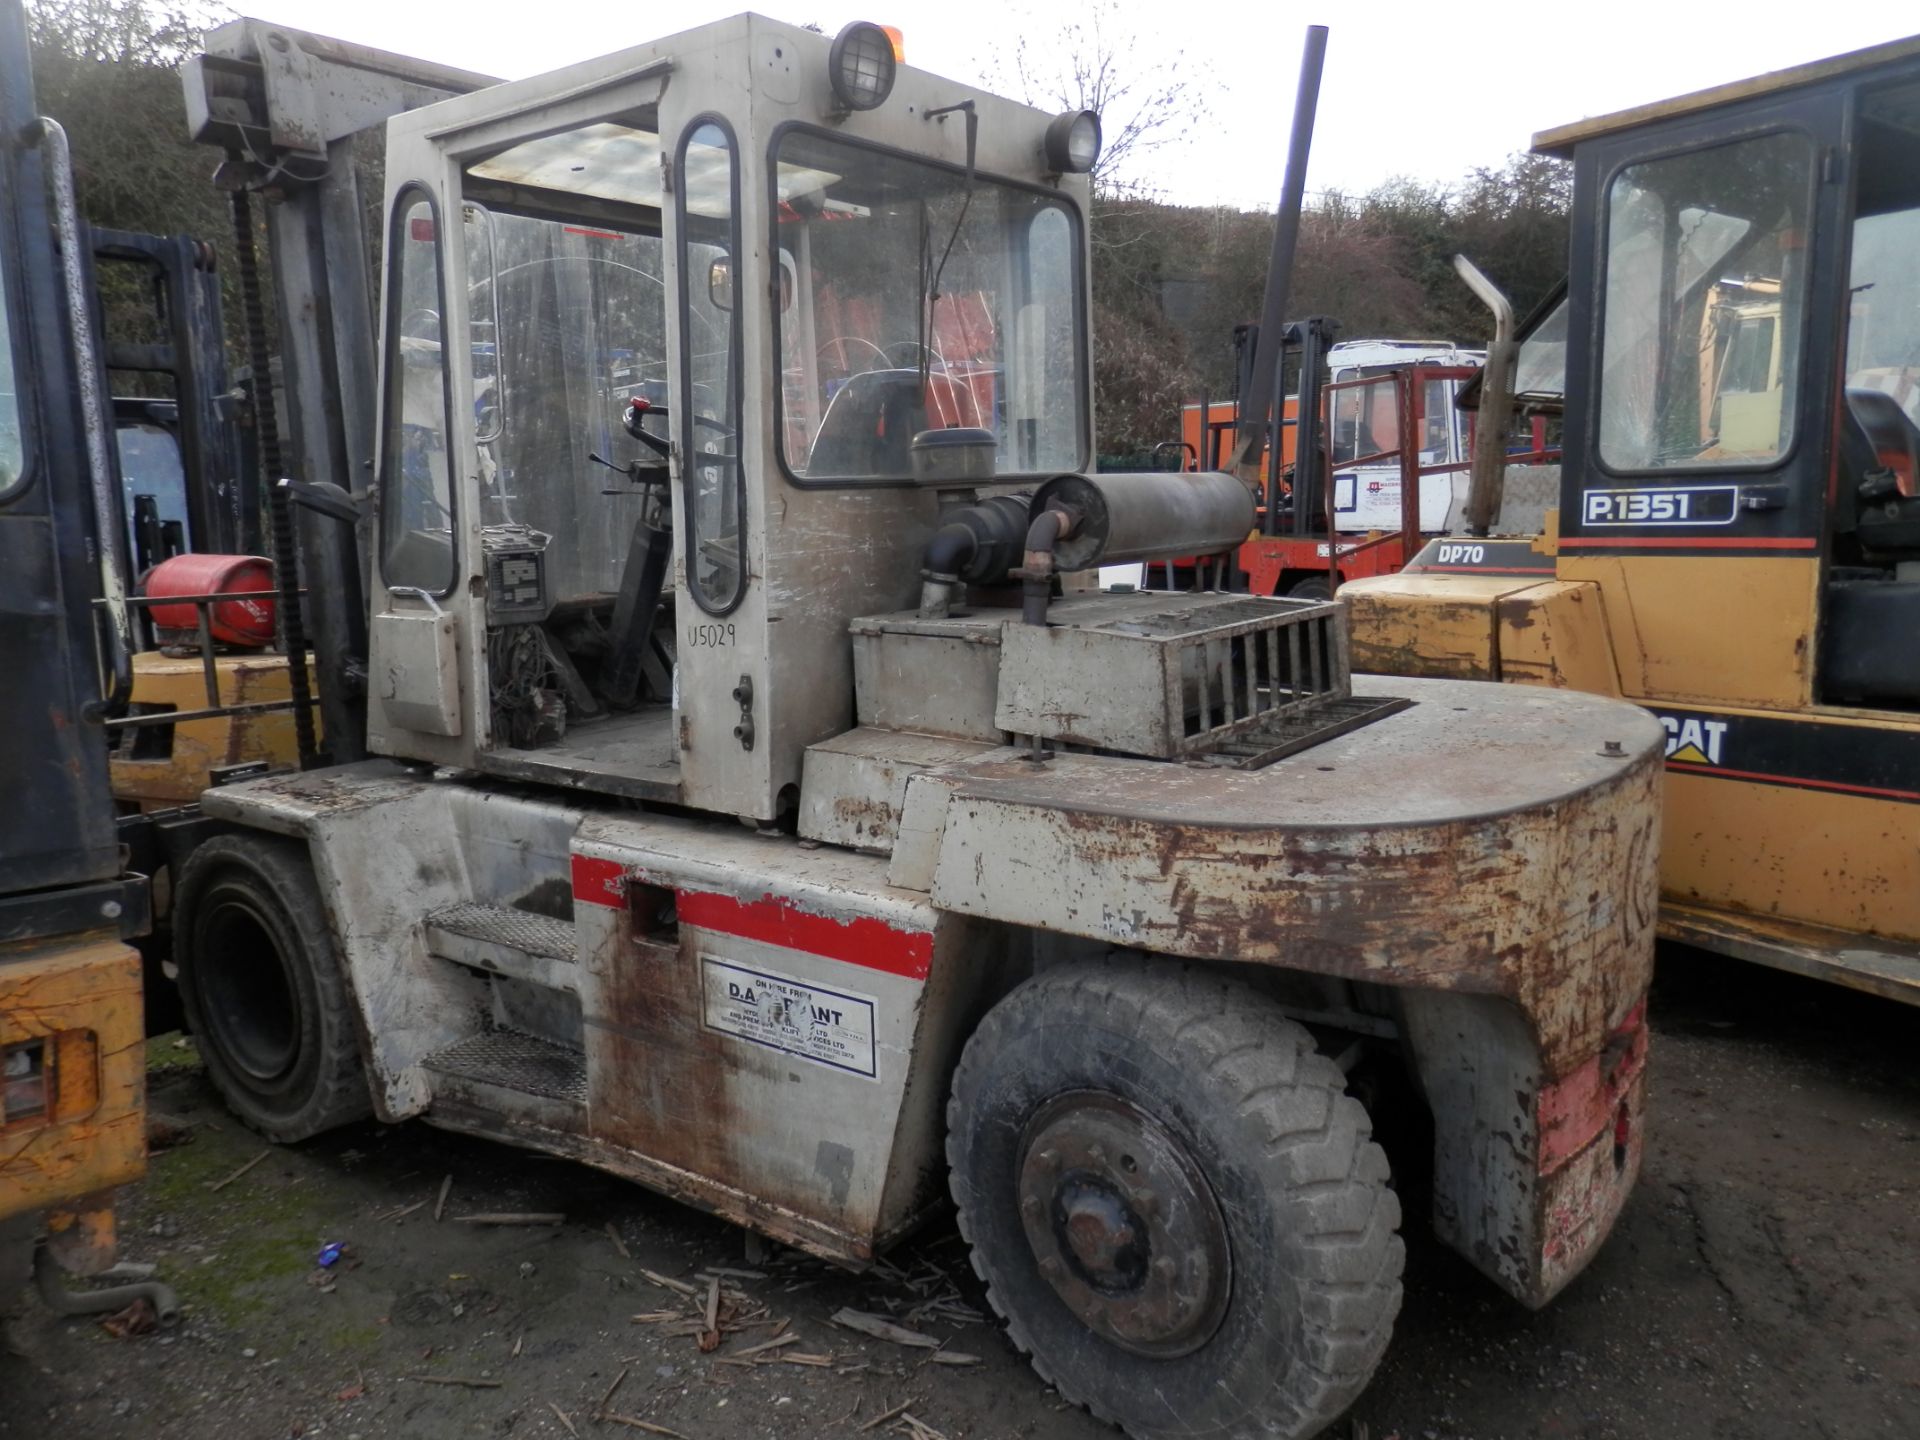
1172,282
107,70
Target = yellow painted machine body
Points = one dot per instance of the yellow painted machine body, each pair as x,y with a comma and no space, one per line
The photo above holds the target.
162,765
1777,845
73,1100
1737,541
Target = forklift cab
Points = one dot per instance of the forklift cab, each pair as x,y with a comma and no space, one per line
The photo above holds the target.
655,351
1744,374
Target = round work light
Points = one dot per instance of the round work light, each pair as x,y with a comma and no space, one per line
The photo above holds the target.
1072,145
861,66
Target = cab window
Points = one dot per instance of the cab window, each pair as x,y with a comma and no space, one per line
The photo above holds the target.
12,443
924,298
716,556
1704,300
416,494
1883,286
567,330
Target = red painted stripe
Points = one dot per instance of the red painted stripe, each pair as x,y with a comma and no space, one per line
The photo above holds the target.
599,882
1793,780
864,940
1575,1111
1687,542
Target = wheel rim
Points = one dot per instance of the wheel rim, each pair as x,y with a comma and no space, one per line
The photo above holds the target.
1123,1224
247,991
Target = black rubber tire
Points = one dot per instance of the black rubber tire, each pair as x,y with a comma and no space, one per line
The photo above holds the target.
1314,587
1310,1218
263,988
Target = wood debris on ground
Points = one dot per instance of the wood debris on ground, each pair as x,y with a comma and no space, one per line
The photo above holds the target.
719,1309
912,1425
634,1422
218,1185
881,1328
517,1218
887,1415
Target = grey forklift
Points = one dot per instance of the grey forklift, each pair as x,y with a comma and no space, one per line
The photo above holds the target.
760,808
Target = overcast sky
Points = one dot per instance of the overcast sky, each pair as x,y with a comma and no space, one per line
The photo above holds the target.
1410,88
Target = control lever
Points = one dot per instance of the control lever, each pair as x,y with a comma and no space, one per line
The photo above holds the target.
637,410
639,472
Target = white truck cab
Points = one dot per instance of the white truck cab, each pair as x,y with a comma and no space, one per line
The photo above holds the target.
1367,496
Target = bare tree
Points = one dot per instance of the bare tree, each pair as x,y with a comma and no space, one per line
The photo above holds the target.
1095,62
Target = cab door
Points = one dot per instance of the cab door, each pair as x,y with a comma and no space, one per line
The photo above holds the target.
1695,475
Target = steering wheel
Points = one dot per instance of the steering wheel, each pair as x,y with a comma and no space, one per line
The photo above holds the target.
421,324
843,340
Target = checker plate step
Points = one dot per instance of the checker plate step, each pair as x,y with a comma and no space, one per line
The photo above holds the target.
516,1062
503,925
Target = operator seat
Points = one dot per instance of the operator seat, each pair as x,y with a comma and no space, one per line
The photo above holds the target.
869,426
1870,652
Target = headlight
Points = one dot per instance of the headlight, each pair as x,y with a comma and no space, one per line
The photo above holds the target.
1072,145
861,66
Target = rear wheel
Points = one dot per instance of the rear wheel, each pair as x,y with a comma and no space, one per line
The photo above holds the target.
1176,1207
1314,587
263,988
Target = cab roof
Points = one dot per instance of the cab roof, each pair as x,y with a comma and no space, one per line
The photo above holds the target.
1561,140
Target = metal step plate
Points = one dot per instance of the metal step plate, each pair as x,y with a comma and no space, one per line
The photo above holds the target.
504,925
511,1061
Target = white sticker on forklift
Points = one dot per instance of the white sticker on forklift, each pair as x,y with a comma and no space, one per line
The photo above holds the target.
793,1016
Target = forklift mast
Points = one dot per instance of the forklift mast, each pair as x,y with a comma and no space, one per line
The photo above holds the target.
298,117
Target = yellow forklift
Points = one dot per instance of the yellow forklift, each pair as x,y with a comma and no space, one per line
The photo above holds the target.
1737,544
72,1077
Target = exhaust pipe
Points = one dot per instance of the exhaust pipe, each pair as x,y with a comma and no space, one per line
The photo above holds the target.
1259,399
1487,480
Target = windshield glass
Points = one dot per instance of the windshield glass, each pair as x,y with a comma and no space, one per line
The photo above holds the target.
1705,285
12,448
1366,418
1883,329
919,302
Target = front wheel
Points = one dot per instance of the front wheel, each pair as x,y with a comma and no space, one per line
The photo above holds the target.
263,988
1175,1206
1314,587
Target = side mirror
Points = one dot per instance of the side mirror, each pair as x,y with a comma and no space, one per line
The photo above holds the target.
720,282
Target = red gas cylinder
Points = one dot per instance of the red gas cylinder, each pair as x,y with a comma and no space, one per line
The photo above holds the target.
245,623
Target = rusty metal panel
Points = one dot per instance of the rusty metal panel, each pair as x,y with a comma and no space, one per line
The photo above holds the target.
1880,966
1432,625
1524,865
1169,675
1556,634
936,677
778,1054
853,786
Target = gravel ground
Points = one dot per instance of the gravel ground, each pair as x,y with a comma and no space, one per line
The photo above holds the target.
1762,1282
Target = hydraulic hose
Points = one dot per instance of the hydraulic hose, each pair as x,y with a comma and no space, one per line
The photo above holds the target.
53,1290
976,544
